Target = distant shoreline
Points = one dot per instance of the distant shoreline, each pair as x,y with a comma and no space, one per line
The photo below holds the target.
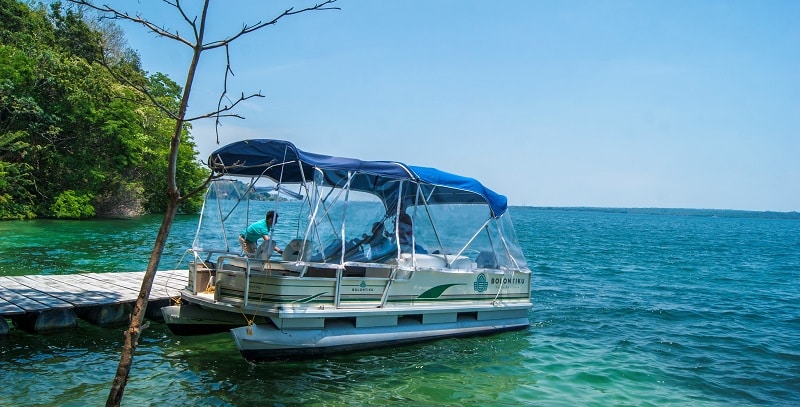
723,213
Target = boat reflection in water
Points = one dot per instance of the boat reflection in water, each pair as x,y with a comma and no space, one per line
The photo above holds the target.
376,254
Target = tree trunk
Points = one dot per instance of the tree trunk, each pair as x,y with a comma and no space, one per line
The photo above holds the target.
137,315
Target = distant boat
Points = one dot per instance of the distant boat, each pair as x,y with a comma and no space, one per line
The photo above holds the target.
350,277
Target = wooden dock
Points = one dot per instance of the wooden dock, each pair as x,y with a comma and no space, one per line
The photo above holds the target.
40,303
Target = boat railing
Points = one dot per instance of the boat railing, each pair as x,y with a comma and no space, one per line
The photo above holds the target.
337,299
398,270
247,265
206,255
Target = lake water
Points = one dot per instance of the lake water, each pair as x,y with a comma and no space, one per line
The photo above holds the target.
658,307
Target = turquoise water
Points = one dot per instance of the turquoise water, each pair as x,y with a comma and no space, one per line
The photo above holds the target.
630,308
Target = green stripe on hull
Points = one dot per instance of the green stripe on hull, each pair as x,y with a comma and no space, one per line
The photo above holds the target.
435,292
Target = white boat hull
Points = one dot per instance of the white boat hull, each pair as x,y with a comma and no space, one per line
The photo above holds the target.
264,342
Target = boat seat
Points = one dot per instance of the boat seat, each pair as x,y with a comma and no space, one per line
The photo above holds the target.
437,261
292,251
331,253
423,261
486,259
265,250
242,262
459,262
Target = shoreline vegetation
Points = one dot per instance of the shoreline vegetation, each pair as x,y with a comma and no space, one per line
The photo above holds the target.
75,142
702,213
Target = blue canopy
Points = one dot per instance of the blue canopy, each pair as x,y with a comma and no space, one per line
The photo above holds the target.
282,162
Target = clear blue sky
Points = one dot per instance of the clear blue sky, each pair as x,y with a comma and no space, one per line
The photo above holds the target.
689,104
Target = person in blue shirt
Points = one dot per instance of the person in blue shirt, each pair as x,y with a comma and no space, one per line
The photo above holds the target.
248,239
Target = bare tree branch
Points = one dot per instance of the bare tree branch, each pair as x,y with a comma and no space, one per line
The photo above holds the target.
228,70
114,14
200,188
246,29
218,112
191,22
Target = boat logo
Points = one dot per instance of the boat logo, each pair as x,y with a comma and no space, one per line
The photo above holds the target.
480,285
361,288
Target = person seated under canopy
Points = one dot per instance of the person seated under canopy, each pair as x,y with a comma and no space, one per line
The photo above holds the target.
371,247
405,233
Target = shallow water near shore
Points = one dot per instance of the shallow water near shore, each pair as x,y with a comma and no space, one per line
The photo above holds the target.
661,307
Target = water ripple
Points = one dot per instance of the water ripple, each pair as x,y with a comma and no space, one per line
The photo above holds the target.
645,309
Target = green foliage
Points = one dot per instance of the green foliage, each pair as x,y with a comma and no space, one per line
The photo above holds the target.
15,200
67,124
16,178
75,37
73,205
154,158
235,189
23,27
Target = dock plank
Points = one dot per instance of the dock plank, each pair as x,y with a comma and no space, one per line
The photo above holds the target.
126,284
7,308
111,285
38,293
86,291
171,282
52,287
59,287
9,300
29,298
